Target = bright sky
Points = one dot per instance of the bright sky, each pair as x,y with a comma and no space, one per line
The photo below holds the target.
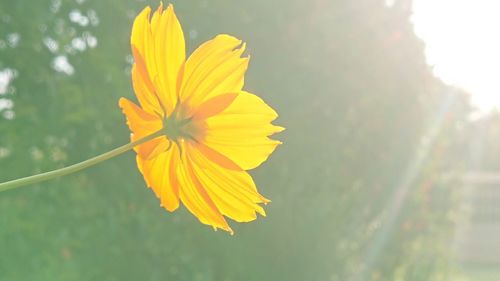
462,40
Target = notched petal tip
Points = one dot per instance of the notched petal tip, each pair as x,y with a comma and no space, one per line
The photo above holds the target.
228,229
275,130
169,207
234,44
146,10
121,102
228,38
241,48
143,15
156,16
279,129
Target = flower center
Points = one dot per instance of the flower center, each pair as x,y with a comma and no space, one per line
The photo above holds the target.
175,128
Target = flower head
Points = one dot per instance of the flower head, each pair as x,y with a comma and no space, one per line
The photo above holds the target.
213,130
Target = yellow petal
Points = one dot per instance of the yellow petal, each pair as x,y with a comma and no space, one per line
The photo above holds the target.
213,106
151,148
170,55
215,68
155,19
144,89
241,131
232,191
159,52
142,124
143,69
195,196
162,146
160,174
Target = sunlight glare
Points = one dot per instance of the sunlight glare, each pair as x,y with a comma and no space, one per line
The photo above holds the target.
462,39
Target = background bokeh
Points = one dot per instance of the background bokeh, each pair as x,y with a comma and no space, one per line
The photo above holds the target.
365,187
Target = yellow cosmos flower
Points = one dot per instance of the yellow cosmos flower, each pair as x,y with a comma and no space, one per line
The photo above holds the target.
213,130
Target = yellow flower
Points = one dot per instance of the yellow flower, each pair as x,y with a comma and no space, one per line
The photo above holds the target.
213,130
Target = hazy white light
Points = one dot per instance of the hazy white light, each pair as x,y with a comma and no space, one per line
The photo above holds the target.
193,34
6,76
61,64
4,152
13,39
462,39
79,44
9,114
92,15
51,44
77,17
6,104
55,6
90,39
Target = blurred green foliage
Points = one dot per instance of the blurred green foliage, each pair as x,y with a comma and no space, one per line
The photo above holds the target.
357,186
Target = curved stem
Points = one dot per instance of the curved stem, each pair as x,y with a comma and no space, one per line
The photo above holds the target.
77,167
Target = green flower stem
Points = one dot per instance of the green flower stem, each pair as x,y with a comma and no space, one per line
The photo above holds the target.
79,166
